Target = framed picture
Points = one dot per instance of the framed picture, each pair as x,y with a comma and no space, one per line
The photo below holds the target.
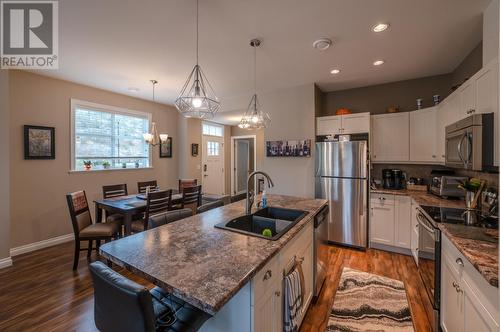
166,149
194,149
39,142
292,148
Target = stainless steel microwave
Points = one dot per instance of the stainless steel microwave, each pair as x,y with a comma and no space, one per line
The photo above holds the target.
469,143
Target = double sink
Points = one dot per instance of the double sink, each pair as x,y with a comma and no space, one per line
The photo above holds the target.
268,223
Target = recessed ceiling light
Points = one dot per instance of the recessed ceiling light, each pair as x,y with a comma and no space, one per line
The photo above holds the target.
380,27
133,89
322,44
378,62
334,71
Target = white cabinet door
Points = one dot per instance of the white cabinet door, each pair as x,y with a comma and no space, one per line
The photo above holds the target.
452,319
402,221
467,98
423,135
486,83
390,137
382,224
265,316
356,123
477,318
328,125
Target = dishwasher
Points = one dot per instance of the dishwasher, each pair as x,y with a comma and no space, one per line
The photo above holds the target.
321,250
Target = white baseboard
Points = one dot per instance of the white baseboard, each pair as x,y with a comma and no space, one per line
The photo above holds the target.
5,262
41,244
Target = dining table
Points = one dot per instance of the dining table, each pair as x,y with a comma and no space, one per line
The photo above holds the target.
128,206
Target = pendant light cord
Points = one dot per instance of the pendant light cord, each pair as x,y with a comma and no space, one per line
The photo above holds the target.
255,69
197,29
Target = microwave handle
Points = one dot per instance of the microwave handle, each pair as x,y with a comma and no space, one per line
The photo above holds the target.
469,147
459,147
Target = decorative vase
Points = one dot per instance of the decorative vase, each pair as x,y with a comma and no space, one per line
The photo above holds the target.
87,167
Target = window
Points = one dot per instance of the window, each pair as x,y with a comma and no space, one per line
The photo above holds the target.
213,130
213,149
108,137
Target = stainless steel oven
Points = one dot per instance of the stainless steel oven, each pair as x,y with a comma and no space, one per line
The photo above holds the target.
429,259
469,143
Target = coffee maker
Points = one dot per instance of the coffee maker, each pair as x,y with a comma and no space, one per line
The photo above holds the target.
393,179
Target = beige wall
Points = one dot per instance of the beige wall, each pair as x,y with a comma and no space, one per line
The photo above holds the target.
292,112
38,206
4,165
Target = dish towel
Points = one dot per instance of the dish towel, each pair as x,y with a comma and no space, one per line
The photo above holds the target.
294,297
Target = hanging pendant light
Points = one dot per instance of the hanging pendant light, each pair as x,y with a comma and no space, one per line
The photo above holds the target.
152,138
254,117
197,98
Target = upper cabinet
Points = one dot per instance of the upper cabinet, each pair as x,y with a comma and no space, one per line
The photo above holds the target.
343,124
423,144
390,139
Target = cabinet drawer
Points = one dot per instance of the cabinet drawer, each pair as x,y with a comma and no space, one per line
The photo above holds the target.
382,199
297,245
266,277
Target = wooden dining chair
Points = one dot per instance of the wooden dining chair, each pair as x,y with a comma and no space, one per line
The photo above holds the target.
84,229
191,197
157,202
183,183
141,186
112,191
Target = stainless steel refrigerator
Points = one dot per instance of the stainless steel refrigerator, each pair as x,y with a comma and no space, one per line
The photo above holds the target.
342,178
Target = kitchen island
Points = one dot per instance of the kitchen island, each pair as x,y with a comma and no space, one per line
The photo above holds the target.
219,271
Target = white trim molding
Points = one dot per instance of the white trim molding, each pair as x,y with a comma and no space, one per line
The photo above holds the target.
41,244
5,262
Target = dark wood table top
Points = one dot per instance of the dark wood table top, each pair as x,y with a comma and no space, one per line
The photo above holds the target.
128,203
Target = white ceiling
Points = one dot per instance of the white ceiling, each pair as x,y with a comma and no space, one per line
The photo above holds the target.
117,44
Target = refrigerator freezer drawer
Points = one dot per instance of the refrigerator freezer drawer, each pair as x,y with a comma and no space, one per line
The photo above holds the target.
342,159
348,209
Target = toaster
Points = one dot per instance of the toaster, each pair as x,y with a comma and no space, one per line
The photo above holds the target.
447,186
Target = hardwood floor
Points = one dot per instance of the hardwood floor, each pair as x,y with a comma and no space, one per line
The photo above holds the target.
42,293
379,262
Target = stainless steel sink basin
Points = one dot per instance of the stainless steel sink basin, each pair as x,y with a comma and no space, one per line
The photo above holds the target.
277,220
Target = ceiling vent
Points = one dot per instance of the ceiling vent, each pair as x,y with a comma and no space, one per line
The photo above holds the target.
322,44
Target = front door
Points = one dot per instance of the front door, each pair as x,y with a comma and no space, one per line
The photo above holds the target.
213,165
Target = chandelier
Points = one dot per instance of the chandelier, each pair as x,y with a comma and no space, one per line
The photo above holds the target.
254,117
197,98
152,138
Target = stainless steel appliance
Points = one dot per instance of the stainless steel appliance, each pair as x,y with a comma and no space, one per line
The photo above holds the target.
469,143
447,186
321,250
342,178
429,245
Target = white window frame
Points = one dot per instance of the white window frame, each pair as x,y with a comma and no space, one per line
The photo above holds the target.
212,124
75,103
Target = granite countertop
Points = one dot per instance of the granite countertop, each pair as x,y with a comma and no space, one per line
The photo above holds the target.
203,265
423,198
478,245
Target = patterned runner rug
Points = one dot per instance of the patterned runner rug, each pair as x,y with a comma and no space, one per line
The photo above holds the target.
368,302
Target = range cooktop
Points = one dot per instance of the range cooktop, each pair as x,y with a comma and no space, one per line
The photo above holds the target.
458,216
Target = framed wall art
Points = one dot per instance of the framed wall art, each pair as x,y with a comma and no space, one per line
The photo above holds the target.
39,142
166,149
194,149
288,148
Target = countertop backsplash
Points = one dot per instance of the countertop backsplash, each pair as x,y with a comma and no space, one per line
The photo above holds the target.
424,171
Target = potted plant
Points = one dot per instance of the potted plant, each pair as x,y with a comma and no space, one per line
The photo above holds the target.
87,164
137,164
472,188
106,165
124,165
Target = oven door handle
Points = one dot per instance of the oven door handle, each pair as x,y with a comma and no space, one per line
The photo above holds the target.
422,223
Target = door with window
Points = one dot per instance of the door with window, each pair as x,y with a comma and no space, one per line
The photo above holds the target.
213,159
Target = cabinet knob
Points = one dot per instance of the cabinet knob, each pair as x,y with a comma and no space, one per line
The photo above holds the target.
433,156
443,156
277,293
460,262
268,275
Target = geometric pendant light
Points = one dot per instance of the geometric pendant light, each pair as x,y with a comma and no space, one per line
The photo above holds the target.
197,98
254,117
